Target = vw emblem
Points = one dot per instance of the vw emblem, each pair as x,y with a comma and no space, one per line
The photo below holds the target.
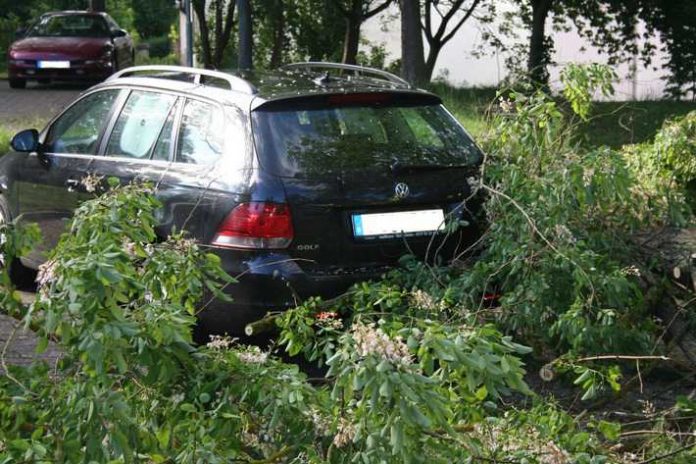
401,190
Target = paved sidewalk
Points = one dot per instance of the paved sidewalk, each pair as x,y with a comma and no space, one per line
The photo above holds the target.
40,102
22,347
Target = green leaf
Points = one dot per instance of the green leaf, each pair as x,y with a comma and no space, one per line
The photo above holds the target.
610,430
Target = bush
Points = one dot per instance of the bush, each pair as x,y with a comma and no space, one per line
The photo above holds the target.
159,46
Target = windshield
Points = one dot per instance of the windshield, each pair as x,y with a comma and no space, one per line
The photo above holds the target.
70,26
316,142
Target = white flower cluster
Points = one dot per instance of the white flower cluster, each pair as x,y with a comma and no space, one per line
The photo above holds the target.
183,245
588,175
322,424
371,340
46,274
129,248
218,342
632,270
506,105
91,182
425,300
344,434
564,234
253,355
474,183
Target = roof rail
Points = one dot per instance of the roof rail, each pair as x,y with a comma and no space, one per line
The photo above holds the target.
357,70
236,83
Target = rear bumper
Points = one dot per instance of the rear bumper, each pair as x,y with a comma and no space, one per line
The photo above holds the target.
273,283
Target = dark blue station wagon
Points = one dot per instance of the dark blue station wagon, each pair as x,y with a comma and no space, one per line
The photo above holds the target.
304,181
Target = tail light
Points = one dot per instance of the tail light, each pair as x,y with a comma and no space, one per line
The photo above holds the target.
256,224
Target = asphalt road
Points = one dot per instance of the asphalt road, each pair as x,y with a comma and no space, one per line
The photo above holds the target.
35,104
38,102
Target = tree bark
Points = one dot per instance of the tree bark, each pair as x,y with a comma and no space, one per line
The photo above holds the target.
223,33
351,40
536,66
245,35
200,7
433,53
412,60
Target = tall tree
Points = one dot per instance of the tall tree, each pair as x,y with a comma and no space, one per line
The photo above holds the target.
355,13
613,27
213,43
412,60
452,14
439,21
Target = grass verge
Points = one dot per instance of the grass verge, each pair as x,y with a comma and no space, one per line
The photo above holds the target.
614,124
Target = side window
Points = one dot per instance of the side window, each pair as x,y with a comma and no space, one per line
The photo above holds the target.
78,129
139,125
201,137
164,143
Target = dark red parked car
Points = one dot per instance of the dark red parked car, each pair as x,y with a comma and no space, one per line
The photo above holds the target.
69,45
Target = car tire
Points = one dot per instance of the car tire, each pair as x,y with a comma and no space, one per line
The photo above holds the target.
18,83
22,277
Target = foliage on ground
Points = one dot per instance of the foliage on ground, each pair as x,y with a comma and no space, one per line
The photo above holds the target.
405,385
418,365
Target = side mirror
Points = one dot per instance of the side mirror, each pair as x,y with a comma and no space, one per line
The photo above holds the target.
115,33
26,141
20,33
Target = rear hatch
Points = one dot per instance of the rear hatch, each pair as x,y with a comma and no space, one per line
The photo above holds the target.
370,177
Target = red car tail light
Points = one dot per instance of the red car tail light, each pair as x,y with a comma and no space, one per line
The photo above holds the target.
256,225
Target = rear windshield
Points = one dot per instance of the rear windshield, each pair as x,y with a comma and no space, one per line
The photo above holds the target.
320,141
70,26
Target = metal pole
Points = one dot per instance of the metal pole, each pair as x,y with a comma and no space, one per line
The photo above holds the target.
245,34
189,34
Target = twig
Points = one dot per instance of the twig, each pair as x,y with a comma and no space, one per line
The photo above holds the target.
536,230
668,455
622,357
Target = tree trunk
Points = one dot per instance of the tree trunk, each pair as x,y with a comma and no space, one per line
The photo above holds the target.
412,60
351,39
223,33
200,8
433,53
536,67
278,36
245,35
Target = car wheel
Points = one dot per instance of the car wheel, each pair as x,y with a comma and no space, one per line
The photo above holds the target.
22,277
18,83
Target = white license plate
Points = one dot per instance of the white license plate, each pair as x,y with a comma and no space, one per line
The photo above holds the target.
387,225
53,64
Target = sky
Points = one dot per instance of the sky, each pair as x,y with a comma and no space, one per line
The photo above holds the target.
457,62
